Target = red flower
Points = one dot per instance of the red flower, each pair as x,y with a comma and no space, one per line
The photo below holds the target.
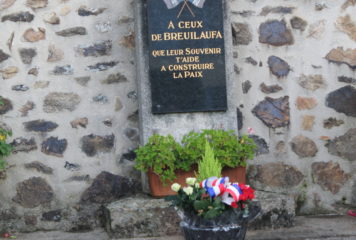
247,192
234,204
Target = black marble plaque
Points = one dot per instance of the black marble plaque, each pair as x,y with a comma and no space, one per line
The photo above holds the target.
186,55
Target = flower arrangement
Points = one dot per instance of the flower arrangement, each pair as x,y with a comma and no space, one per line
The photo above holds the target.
209,197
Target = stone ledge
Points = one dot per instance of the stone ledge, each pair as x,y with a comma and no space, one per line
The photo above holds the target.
142,216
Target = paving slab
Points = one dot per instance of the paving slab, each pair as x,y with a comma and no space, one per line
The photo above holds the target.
306,228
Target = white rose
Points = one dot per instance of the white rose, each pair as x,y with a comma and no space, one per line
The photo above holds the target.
175,187
188,190
191,181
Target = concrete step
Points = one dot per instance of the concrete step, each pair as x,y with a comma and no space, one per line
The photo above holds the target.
143,217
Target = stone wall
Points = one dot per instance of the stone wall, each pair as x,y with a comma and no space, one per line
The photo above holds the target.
68,83
70,98
296,63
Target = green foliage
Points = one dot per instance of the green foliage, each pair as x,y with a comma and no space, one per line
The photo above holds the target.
160,154
5,148
230,150
208,166
164,155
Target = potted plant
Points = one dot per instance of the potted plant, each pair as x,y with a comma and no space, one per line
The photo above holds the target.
5,150
166,160
211,207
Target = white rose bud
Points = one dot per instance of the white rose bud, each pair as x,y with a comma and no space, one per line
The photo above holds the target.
190,181
175,187
188,190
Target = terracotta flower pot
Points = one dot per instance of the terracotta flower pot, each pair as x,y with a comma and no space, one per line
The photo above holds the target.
158,189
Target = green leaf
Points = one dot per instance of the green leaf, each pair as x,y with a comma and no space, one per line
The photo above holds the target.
201,205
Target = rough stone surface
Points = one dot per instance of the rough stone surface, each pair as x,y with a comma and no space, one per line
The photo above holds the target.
246,86
26,108
275,175
344,146
40,167
114,78
9,72
6,106
69,32
303,146
82,178
72,166
6,4
3,56
278,66
98,49
311,82
31,35
40,84
308,122
251,61
332,122
277,211
103,66
18,17
281,147
298,23
343,100
103,27
20,88
40,126
37,3
92,144
63,70
85,11
274,113
277,10
54,146
348,3
240,119
329,176
270,88
51,18
33,71
83,81
27,54
100,98
348,26
54,54
52,216
108,187
317,30
33,192
341,56
262,146
304,103
118,104
79,122
57,102
275,33
23,145
345,79
241,34
142,217
128,40
132,134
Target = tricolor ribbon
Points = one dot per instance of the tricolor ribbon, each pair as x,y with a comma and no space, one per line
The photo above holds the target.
215,186
231,193
173,3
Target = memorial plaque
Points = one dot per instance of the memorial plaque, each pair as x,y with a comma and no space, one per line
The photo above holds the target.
186,55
